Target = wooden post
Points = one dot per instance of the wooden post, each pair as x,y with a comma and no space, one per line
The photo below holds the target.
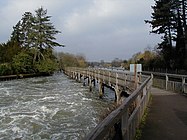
135,76
117,90
118,94
124,125
90,83
140,77
183,86
84,82
79,77
167,82
117,79
109,78
125,79
101,88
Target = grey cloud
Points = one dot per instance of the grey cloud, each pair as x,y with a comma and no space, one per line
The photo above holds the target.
100,29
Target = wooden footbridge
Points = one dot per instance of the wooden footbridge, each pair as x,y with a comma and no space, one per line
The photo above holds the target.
123,121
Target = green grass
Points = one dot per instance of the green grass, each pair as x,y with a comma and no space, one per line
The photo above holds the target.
143,122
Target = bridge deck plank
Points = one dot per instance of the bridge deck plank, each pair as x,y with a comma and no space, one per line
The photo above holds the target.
167,117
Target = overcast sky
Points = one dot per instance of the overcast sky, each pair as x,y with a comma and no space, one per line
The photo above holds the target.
98,29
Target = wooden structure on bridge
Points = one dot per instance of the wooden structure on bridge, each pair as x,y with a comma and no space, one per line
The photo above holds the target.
122,122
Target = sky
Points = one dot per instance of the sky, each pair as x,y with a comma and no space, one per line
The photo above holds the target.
97,29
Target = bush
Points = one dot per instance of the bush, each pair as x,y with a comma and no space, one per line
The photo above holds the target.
46,66
6,69
22,63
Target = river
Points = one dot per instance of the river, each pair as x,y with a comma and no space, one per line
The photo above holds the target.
54,107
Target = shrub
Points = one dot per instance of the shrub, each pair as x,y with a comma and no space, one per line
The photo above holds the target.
6,69
22,63
46,66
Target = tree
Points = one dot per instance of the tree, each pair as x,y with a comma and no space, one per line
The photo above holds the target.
169,19
44,33
35,32
70,60
16,34
46,66
8,51
162,24
44,30
116,62
162,19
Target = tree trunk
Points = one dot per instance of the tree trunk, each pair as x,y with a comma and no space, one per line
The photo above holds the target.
185,28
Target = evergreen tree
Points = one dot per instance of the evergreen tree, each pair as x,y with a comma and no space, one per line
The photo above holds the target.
16,34
169,19
184,13
27,30
44,34
35,32
162,24
44,30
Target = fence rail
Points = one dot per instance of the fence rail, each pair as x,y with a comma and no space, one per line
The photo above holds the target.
172,82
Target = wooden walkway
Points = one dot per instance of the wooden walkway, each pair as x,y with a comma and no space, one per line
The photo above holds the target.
167,117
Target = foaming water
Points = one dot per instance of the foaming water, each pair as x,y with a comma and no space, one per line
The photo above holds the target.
52,107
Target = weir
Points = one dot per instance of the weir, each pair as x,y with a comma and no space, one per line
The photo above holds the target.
122,122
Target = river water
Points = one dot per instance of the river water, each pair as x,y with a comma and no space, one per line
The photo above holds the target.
54,107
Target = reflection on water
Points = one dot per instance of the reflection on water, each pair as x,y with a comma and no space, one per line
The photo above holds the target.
48,108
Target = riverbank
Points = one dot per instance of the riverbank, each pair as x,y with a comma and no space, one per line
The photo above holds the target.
21,76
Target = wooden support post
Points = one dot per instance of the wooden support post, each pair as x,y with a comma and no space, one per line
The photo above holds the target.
117,90
101,88
79,77
84,82
93,82
95,74
90,83
118,94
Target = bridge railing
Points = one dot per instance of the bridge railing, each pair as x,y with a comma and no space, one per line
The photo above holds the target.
127,118
171,82
106,75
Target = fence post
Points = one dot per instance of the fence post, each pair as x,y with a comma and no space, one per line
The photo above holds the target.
109,79
167,82
125,79
124,125
183,86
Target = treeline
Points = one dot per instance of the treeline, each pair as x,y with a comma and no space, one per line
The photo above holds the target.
30,47
169,20
147,58
70,60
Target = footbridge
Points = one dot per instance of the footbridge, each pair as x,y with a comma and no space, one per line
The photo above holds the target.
122,122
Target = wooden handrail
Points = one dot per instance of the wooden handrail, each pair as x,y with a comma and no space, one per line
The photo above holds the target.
103,127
